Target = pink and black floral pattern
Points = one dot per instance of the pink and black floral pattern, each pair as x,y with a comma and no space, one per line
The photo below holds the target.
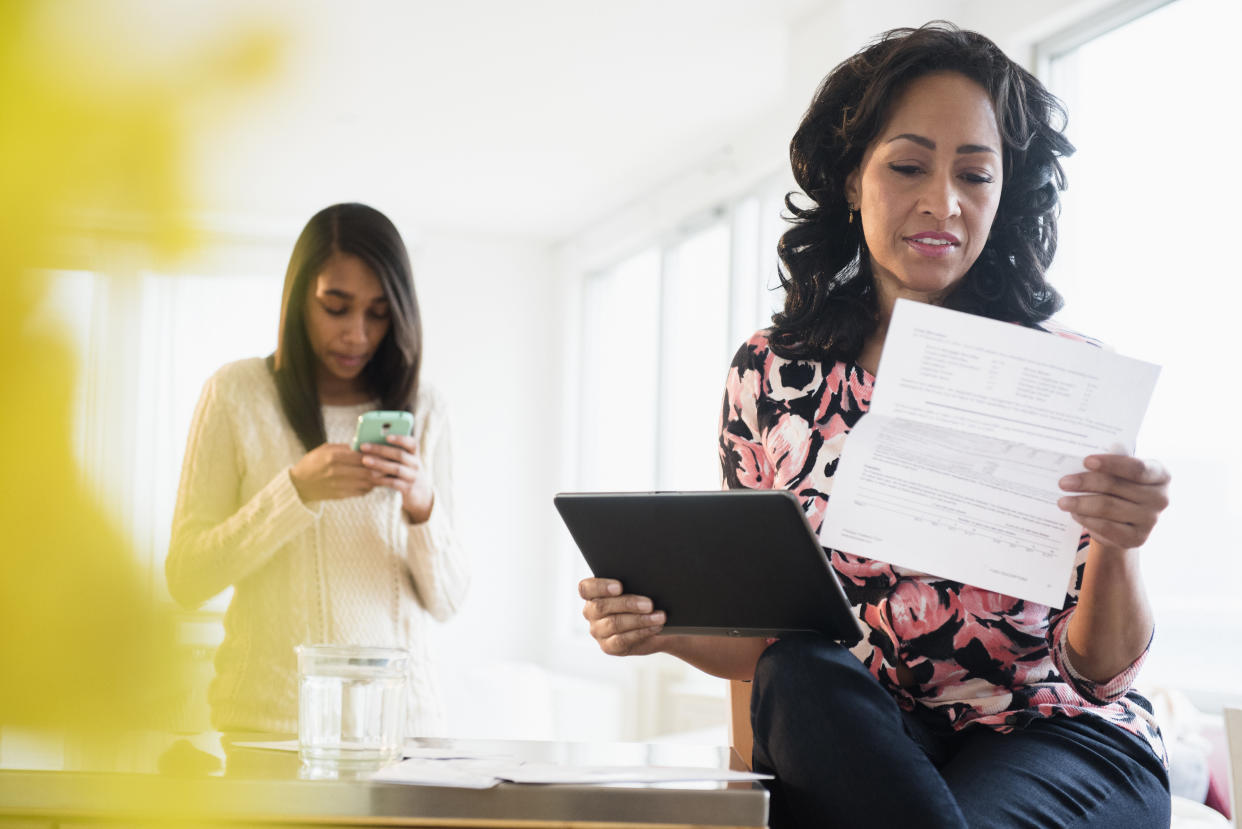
977,656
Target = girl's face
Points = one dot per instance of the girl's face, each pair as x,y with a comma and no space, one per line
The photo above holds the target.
928,187
347,317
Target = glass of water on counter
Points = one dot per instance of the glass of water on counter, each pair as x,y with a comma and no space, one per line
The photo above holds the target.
351,704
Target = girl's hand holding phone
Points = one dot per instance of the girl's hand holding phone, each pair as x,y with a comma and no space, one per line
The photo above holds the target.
331,471
398,466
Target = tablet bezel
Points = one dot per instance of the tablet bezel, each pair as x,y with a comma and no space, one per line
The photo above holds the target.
722,562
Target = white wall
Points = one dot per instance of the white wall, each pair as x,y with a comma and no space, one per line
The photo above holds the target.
490,309
494,313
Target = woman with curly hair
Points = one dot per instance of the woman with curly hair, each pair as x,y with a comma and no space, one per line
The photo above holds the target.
930,167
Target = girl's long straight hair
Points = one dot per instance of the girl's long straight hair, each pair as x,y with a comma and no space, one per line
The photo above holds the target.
392,373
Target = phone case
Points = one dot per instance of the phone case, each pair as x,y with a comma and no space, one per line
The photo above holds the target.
373,427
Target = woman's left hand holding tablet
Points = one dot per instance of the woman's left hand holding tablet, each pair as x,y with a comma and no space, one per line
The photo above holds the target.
623,624
397,465
1118,499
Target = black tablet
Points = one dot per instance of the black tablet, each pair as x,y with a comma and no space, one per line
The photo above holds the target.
739,562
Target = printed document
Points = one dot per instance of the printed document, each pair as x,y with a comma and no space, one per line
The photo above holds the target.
953,470
475,774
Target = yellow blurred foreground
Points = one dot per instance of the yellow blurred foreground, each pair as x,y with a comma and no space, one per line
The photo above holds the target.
83,649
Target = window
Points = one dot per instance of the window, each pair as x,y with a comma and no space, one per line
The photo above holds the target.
658,331
693,355
1147,263
146,344
620,344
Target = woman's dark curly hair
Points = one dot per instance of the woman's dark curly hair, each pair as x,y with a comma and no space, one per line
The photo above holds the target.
830,298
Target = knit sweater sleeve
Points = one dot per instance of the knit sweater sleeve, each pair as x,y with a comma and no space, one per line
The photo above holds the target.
217,540
437,561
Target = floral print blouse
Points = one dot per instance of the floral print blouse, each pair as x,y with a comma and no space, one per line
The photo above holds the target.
977,656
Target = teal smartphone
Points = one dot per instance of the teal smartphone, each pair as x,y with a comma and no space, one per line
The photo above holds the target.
374,427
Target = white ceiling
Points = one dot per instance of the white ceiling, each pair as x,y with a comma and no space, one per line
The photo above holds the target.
529,118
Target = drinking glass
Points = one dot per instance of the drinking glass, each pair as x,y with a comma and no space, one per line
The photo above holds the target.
351,704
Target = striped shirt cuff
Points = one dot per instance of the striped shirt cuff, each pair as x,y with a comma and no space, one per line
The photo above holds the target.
1099,693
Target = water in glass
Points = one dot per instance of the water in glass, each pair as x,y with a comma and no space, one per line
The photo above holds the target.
351,703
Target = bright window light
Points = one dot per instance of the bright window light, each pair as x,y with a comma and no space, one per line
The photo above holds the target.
694,355
620,343
146,344
1148,264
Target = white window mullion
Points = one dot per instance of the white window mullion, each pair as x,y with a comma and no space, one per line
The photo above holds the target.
744,271
665,374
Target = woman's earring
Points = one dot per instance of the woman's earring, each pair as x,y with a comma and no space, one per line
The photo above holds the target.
853,210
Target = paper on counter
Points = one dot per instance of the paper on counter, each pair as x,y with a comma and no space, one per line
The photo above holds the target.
953,470
457,769
551,773
412,750
268,745
479,774
458,774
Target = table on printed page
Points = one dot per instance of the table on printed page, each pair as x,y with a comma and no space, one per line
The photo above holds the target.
155,779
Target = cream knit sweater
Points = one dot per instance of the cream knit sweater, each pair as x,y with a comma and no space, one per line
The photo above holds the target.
350,571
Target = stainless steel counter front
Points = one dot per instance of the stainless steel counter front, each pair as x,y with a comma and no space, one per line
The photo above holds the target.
206,780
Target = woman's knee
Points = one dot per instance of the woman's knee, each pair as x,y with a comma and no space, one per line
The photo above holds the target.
807,664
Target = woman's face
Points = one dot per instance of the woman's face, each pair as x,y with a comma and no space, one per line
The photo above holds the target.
928,187
346,318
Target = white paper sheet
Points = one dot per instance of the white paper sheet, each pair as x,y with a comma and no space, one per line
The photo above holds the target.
411,750
268,745
458,774
424,766
953,471
481,774
553,773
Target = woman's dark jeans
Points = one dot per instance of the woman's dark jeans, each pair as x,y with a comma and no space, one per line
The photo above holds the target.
846,755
